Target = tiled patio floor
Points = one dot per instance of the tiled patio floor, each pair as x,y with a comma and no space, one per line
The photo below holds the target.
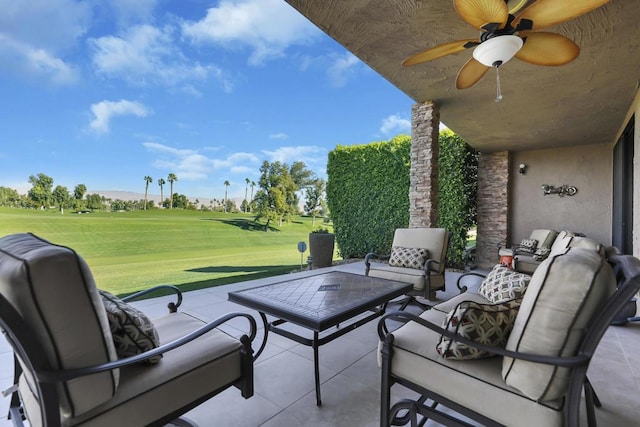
284,384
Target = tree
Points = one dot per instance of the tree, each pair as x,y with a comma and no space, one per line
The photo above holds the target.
273,199
9,197
226,186
147,180
79,191
245,203
161,183
231,206
171,178
253,184
180,201
301,175
315,191
60,196
94,201
40,192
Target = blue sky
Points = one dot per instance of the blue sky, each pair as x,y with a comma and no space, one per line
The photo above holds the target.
105,92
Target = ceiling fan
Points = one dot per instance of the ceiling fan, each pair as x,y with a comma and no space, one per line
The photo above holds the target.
508,29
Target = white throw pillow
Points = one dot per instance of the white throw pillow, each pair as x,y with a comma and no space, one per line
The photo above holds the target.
408,257
503,284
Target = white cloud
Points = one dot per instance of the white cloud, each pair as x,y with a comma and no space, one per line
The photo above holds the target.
243,169
129,11
395,124
104,111
310,155
52,25
27,61
267,27
148,55
190,165
279,135
342,69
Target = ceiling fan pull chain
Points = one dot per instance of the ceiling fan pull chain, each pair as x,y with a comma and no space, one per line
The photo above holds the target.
499,92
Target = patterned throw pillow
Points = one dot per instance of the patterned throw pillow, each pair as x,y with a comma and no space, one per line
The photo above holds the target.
133,333
528,246
541,254
488,324
503,284
408,257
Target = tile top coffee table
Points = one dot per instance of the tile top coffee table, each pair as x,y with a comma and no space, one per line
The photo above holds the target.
319,302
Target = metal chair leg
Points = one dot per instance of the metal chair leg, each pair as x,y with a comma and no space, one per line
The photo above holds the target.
596,399
590,397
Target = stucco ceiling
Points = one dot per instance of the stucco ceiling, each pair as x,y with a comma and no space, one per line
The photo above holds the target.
583,102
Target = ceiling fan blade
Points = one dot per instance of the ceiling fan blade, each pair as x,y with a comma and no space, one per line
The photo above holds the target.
545,13
481,12
470,73
440,51
515,5
543,48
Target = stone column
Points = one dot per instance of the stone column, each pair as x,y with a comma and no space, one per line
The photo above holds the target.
493,206
423,190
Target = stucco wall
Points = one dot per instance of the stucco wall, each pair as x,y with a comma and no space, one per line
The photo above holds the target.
589,168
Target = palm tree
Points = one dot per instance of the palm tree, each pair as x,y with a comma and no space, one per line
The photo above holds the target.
246,187
226,186
253,184
171,178
161,183
148,180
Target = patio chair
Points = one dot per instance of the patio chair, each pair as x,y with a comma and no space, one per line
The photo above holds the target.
84,357
418,256
531,251
533,378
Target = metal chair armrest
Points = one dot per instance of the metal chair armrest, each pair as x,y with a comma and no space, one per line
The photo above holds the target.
467,274
68,374
372,256
172,306
567,361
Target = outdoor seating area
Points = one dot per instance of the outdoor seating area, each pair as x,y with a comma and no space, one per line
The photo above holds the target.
284,389
526,135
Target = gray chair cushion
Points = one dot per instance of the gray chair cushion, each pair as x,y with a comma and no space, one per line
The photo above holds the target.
474,384
185,374
563,295
434,241
52,287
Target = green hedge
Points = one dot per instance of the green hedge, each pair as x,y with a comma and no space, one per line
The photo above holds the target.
368,194
457,191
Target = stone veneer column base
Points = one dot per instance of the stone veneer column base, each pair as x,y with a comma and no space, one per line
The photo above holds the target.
423,190
493,206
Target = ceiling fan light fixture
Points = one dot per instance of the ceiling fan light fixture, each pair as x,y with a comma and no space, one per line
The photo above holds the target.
497,50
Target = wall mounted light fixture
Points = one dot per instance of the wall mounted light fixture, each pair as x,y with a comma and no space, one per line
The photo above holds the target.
522,168
563,190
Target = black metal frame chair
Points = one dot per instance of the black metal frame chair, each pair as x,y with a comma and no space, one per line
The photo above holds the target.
48,382
431,268
627,271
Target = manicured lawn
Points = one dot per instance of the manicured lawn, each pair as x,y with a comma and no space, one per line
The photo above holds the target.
129,251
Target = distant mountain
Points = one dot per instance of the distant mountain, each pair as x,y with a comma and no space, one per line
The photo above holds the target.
130,195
